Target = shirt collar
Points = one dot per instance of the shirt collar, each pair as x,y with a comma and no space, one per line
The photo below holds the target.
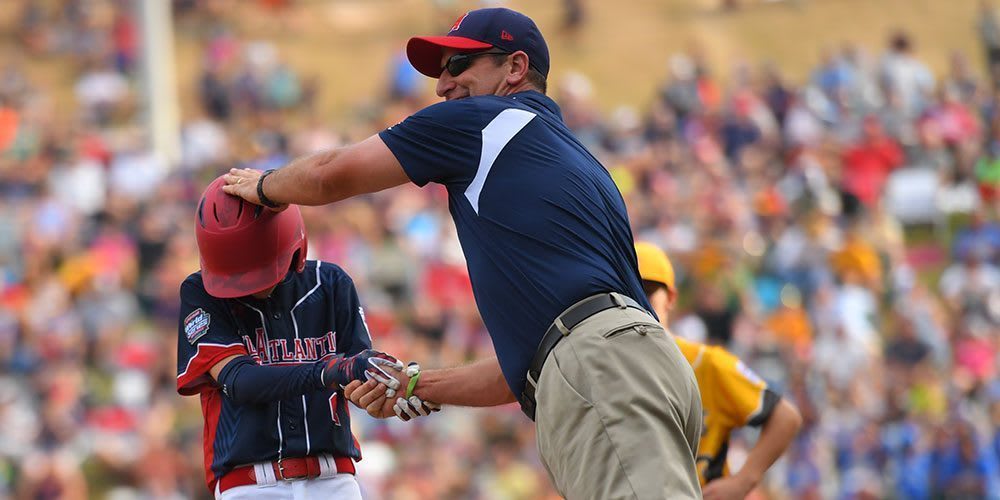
538,100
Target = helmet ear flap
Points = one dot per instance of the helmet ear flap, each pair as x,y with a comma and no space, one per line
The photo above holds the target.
299,259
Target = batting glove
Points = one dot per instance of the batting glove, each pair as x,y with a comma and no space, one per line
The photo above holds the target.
412,406
365,365
409,409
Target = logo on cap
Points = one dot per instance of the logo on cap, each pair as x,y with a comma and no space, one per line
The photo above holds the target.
506,36
458,22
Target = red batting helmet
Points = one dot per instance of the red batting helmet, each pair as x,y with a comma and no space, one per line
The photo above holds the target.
246,248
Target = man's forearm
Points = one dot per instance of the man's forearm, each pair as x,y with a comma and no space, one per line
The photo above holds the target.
301,182
477,384
336,174
777,433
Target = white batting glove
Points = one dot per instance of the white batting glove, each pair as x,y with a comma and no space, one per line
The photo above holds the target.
378,373
409,408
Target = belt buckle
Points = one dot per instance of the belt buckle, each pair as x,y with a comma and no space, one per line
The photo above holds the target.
281,473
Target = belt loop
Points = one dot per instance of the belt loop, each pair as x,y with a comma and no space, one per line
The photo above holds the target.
562,328
264,474
327,466
618,300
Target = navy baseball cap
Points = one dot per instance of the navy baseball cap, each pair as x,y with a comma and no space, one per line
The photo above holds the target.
479,30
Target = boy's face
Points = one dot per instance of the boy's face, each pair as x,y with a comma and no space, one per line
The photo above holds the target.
661,300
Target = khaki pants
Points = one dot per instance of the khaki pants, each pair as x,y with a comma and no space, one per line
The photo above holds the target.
619,413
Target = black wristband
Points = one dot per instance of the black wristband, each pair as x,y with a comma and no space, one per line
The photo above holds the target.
264,200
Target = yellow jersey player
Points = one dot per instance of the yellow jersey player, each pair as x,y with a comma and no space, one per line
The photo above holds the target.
732,395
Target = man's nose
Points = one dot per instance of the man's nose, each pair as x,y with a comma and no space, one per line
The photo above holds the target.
444,83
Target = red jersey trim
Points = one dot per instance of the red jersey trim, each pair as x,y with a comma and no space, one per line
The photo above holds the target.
194,378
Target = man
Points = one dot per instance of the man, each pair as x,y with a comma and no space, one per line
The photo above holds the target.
549,251
732,395
267,338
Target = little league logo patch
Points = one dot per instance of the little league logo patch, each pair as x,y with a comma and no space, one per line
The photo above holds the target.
196,324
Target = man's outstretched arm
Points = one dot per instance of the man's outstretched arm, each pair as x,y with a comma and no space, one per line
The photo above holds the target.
480,383
325,177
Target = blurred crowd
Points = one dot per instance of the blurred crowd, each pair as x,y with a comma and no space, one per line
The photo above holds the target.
840,234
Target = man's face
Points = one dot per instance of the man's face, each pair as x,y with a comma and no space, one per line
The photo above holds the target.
482,77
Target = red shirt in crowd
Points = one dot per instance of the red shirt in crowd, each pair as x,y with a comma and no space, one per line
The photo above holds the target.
868,164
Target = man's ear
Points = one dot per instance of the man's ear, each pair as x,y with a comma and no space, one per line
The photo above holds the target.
671,298
518,68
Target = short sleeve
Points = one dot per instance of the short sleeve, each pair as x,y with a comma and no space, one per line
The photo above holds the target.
206,335
440,143
744,394
352,329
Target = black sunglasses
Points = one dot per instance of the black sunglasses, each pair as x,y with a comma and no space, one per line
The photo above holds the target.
458,63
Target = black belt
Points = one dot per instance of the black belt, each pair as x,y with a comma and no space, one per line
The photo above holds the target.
560,328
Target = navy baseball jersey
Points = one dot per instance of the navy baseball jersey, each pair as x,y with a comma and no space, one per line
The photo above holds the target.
540,220
310,315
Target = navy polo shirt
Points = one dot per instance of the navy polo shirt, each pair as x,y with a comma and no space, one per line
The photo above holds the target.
540,220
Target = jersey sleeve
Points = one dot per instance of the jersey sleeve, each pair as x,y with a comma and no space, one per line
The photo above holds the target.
743,393
352,330
440,143
206,335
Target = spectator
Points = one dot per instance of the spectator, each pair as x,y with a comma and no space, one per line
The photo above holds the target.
868,163
905,76
989,37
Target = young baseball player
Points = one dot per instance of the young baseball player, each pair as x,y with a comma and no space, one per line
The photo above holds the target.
267,339
732,395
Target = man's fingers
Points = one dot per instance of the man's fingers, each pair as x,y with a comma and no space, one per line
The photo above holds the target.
239,177
243,172
375,408
386,410
243,183
350,388
360,391
372,396
237,188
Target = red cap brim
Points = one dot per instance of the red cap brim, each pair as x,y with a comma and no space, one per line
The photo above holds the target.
425,52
